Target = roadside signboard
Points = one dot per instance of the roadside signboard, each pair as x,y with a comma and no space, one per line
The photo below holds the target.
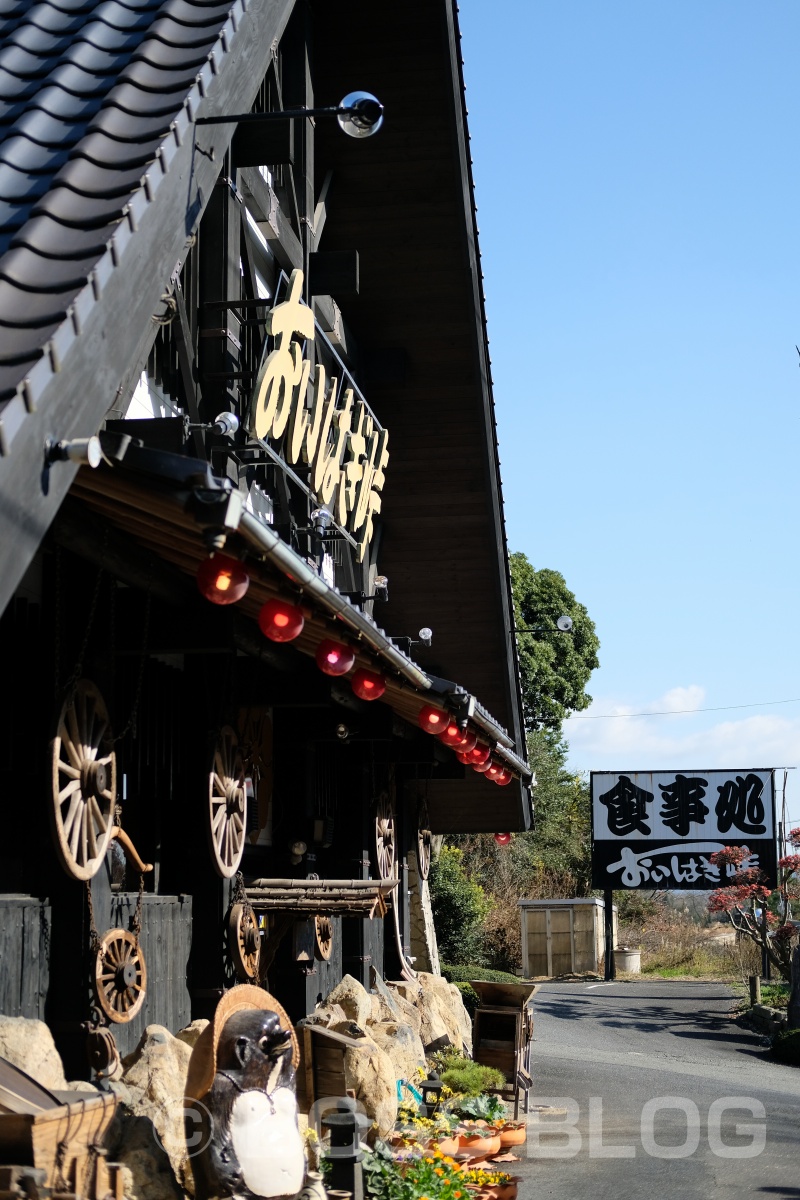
658,829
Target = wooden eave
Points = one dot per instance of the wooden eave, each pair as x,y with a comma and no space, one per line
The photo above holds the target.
404,200
153,506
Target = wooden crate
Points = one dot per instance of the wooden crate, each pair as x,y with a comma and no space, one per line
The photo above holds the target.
321,1070
65,1142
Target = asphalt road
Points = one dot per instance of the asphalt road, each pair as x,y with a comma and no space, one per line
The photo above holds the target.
650,1081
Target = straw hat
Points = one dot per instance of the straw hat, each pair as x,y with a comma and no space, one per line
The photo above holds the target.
203,1063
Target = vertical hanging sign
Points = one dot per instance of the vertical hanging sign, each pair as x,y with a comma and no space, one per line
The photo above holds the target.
658,829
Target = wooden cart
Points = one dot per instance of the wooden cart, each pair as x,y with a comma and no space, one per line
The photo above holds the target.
502,1034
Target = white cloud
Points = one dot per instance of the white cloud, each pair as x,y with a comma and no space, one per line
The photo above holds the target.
688,741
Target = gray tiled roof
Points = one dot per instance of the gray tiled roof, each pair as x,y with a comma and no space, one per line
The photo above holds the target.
89,90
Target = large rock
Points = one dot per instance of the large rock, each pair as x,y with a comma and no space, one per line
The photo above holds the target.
29,1045
402,1046
354,999
369,1073
444,999
152,1144
190,1033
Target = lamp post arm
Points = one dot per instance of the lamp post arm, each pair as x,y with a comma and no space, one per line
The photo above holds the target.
275,115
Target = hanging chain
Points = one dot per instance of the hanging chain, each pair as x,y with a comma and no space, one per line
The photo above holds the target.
137,916
94,937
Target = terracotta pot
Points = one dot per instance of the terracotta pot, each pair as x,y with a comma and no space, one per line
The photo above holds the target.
449,1146
480,1147
500,1191
513,1137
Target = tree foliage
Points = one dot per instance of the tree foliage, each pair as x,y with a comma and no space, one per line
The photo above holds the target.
459,905
554,666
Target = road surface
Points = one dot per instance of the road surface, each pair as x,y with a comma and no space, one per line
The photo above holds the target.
650,1081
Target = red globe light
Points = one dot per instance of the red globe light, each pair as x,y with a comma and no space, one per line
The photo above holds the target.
502,839
464,757
451,734
368,685
481,767
222,580
433,720
504,777
280,621
333,658
493,771
480,754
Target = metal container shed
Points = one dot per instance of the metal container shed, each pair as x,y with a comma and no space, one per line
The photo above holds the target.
561,937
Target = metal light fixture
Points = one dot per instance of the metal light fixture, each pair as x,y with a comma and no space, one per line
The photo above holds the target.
503,839
85,451
360,114
321,520
431,1089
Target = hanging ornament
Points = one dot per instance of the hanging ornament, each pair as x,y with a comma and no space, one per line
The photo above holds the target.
368,685
502,839
462,740
480,754
222,580
433,720
280,621
333,658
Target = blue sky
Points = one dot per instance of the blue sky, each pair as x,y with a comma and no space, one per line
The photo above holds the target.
637,171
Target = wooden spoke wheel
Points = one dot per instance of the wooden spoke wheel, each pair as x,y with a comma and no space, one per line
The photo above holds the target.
120,976
423,841
227,805
244,942
84,781
385,840
323,937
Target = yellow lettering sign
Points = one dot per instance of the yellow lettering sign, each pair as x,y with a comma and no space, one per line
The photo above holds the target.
347,455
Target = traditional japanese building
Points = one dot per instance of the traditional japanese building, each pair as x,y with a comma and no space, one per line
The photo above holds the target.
252,560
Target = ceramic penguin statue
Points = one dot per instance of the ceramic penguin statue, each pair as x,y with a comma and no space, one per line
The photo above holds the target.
242,1129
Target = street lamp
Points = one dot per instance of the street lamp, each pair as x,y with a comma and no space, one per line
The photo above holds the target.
564,624
360,115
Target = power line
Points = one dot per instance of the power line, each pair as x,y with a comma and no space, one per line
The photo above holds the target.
675,712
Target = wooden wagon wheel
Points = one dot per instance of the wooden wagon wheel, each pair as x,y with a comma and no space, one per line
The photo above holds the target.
244,942
423,841
84,781
120,976
227,805
323,937
385,837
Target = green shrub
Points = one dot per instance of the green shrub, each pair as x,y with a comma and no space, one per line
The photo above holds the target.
786,1046
470,1078
463,974
469,996
459,906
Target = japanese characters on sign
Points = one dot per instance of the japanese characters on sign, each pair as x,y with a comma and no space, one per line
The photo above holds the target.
660,828
337,436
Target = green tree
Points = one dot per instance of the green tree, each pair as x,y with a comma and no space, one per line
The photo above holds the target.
459,906
554,666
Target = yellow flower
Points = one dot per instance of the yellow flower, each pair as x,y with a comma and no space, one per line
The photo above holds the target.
438,1171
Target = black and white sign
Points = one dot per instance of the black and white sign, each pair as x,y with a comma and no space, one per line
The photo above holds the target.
658,829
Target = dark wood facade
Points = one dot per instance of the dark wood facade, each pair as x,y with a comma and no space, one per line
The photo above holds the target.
99,566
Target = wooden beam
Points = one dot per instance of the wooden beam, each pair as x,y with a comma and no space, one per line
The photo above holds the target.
270,218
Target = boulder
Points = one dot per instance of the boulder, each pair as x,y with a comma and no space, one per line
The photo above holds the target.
29,1045
151,1141
327,1015
402,1046
190,1033
369,1073
354,999
443,1000
384,1003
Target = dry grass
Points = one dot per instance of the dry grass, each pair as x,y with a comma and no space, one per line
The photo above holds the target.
675,947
